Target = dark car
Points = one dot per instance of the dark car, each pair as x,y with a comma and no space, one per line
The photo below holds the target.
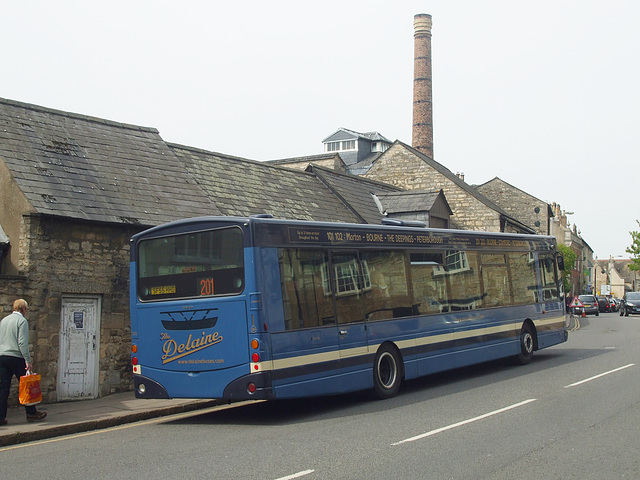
630,304
590,305
603,304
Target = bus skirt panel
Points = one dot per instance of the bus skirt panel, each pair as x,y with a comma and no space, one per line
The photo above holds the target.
197,384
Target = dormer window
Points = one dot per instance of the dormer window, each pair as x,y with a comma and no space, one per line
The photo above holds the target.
340,146
379,146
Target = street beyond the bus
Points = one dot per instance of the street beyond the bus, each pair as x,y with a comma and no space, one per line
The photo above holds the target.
572,413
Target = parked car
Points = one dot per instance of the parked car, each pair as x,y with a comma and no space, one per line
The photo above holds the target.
603,304
630,304
590,305
615,304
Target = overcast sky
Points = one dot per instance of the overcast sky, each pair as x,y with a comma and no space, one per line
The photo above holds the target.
542,94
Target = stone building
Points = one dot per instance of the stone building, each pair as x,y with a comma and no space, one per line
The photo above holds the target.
533,212
410,169
615,273
582,276
630,277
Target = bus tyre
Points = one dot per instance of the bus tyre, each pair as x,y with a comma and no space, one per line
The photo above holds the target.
387,372
526,344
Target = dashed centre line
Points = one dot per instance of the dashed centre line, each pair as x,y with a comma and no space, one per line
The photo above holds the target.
296,475
464,422
598,376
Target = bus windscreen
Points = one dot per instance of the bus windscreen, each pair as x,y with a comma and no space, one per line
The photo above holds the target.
195,264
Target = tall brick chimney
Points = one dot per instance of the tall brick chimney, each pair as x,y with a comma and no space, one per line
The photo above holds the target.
422,133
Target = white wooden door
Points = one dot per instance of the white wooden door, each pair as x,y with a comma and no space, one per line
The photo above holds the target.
79,348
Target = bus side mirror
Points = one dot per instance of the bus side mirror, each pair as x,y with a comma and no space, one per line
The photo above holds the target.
561,262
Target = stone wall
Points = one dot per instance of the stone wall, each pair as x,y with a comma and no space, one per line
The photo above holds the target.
401,167
59,258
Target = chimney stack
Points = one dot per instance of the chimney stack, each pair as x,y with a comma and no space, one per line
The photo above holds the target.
422,133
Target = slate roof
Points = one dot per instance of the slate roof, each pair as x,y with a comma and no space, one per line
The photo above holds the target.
356,192
363,166
408,201
306,159
244,187
371,136
93,169
82,167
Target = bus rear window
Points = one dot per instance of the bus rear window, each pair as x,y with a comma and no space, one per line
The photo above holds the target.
200,264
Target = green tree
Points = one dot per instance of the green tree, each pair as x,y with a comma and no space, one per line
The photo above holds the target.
569,264
634,250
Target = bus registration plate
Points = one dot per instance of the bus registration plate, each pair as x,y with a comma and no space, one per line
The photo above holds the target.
163,290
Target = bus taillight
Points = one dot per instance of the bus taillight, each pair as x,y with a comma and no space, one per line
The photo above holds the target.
255,357
251,388
134,359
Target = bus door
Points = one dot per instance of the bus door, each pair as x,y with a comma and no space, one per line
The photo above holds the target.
350,284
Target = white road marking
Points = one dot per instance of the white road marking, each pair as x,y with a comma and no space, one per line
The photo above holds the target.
598,376
296,475
464,422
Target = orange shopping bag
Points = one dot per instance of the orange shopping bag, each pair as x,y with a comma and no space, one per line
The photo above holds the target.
29,392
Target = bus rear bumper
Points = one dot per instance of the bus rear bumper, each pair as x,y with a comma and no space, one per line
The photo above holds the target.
255,386
146,388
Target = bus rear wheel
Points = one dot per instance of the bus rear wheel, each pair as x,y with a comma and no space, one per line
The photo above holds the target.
387,372
527,344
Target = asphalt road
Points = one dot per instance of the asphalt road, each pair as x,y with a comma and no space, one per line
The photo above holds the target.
574,412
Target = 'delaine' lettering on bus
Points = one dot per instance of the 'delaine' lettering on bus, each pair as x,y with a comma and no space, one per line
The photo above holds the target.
173,350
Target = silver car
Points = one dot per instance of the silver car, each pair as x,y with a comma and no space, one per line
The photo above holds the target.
590,305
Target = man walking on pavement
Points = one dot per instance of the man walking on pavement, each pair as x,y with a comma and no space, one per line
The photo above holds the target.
15,359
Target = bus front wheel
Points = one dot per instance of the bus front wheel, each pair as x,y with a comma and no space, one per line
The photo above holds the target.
387,372
527,344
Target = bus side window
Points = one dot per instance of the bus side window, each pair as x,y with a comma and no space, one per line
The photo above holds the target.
495,282
389,296
351,281
548,280
306,295
429,282
464,278
523,278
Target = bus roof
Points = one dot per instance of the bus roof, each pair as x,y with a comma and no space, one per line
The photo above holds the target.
273,232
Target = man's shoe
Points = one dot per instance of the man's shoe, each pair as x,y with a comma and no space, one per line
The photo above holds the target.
36,417
3,421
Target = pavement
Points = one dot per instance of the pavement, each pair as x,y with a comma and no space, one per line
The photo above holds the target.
65,418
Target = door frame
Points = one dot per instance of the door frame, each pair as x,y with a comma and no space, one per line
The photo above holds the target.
97,301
